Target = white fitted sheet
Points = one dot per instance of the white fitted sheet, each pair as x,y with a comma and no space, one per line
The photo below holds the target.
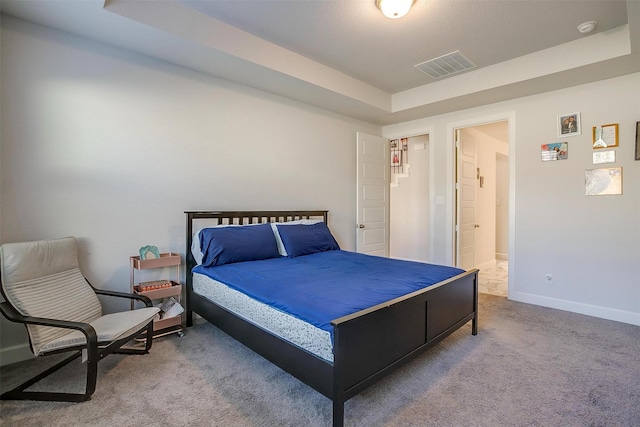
292,329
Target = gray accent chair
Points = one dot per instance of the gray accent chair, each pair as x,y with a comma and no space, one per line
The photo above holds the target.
44,289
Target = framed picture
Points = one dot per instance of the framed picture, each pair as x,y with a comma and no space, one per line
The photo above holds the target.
569,125
606,156
637,140
396,158
605,136
603,182
554,151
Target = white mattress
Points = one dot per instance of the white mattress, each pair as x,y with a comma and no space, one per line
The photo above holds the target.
292,329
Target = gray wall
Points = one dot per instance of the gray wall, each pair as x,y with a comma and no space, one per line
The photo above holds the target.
112,147
591,245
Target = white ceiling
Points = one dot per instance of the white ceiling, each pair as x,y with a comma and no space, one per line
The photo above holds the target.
344,55
356,39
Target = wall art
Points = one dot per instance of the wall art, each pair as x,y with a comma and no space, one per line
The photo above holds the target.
608,156
602,182
569,125
605,136
554,151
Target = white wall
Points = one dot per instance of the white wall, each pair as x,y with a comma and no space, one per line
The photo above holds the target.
112,147
502,206
591,245
409,206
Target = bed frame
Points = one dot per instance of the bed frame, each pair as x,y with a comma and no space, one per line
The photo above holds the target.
368,345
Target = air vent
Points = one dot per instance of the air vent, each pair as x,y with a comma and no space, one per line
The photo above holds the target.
446,65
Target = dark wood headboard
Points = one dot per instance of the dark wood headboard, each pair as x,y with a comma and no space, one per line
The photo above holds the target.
237,217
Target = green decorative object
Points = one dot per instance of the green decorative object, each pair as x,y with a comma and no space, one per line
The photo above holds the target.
149,252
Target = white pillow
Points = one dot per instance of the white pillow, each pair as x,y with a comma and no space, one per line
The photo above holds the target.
281,248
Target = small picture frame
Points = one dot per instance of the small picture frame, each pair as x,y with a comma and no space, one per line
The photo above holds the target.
637,140
569,125
554,151
604,156
396,158
605,136
149,252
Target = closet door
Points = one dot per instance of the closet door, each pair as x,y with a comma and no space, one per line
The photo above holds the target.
372,205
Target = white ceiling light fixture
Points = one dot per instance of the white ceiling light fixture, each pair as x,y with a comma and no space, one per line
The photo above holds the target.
587,27
394,8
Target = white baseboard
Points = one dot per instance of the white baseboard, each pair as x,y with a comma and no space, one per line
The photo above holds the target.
504,257
15,354
576,307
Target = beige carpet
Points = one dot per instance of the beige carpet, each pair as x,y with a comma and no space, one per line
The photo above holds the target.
528,366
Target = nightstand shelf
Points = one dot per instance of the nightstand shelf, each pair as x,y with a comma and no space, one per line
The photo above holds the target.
159,290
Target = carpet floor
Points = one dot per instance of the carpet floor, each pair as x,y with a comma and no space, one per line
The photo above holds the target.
528,366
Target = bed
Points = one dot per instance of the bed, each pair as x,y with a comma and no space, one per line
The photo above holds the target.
352,351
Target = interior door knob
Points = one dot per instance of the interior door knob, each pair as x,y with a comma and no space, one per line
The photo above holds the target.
476,226
360,225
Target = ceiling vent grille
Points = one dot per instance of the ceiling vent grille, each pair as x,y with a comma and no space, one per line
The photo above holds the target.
446,65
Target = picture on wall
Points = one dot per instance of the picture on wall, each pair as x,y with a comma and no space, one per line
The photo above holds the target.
555,151
602,182
605,136
569,125
608,156
396,158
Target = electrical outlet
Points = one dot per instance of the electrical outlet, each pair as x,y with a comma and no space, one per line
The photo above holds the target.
548,279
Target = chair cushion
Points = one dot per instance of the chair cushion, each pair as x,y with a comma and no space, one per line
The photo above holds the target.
23,261
108,328
62,296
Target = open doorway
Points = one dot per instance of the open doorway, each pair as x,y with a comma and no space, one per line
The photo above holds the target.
482,200
410,204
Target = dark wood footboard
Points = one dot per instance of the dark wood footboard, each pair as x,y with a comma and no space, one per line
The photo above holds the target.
368,345
372,343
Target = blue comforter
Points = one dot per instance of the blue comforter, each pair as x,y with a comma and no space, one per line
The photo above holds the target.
324,286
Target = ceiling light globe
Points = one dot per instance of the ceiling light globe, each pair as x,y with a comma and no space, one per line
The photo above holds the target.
394,8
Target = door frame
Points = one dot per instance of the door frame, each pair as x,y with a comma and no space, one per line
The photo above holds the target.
510,118
459,227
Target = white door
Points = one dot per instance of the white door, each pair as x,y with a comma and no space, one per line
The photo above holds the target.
466,184
372,206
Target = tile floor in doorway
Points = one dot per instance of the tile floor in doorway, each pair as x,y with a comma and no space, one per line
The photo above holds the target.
493,278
